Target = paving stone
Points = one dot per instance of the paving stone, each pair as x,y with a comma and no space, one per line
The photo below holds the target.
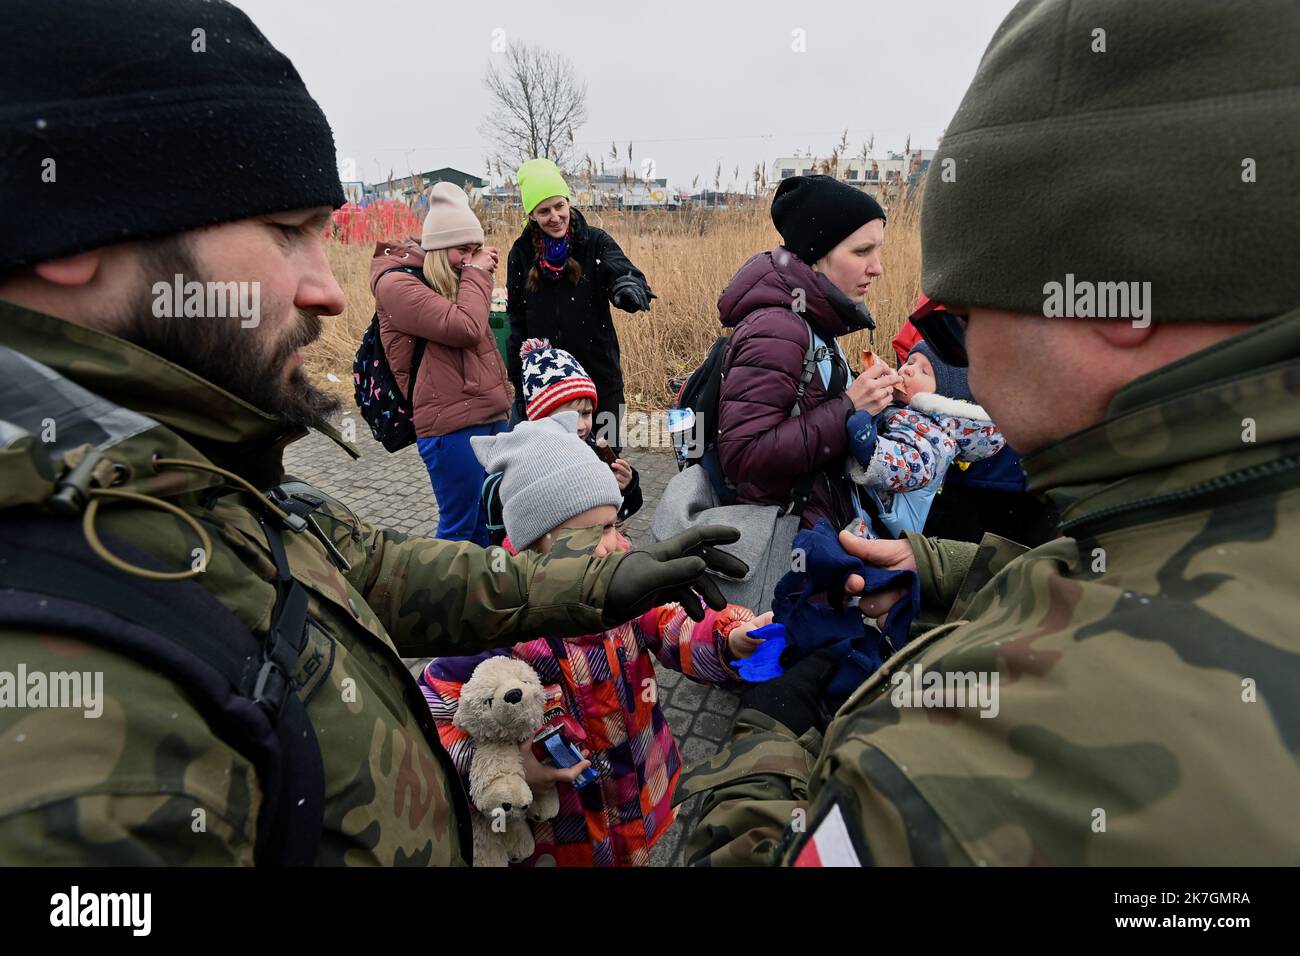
722,702
668,678
690,695
679,720
666,852
712,726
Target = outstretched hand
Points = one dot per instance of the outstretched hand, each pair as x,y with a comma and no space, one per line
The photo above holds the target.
673,570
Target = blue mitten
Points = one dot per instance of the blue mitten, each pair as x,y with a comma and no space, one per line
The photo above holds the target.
810,605
862,436
765,662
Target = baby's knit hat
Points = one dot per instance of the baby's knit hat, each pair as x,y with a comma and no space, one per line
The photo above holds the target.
950,381
550,475
551,378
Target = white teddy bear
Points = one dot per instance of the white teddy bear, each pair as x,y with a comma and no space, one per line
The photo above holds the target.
501,706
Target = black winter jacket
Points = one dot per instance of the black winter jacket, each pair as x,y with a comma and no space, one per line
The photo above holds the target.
575,318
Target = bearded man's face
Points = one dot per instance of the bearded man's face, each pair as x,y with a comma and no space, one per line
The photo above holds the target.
257,357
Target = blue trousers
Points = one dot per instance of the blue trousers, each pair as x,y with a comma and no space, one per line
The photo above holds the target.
457,479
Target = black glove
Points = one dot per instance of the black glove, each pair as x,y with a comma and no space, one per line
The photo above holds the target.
796,698
631,294
673,570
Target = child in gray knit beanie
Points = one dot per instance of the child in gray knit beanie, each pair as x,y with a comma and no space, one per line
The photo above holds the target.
550,475
597,682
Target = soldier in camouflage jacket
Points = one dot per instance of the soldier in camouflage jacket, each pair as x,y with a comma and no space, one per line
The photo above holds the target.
1144,663
158,293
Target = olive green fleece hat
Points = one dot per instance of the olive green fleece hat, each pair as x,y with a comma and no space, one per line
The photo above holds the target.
1109,141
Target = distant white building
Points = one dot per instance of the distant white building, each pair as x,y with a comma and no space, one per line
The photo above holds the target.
605,191
623,191
869,174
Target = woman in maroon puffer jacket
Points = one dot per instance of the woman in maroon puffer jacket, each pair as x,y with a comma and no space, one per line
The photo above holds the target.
831,234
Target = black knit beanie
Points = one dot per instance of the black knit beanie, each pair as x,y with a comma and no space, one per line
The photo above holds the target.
814,214
129,119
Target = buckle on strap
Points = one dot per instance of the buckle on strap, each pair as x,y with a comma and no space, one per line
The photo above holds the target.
271,689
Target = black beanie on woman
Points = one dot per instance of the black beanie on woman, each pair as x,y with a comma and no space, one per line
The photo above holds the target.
130,119
814,214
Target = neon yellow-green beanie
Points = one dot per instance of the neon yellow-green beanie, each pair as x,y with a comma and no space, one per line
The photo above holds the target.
540,179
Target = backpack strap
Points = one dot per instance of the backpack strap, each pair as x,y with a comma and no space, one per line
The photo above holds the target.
242,686
813,356
492,501
420,342
816,353
301,499
806,374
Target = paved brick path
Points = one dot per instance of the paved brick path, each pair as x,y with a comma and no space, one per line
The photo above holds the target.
394,491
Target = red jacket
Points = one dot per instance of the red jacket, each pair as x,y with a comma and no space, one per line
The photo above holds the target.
907,337
462,380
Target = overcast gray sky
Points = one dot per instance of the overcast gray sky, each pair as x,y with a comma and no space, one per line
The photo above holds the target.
690,84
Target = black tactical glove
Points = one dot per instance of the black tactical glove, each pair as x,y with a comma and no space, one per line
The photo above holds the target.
631,294
673,570
796,698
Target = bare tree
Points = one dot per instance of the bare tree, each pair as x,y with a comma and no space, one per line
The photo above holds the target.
538,101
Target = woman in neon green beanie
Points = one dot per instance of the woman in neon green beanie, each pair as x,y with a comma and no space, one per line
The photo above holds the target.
562,276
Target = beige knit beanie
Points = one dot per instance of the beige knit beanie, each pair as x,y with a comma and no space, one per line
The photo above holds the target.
450,221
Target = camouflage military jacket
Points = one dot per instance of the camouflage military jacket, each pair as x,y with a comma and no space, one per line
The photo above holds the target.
126,787
1147,662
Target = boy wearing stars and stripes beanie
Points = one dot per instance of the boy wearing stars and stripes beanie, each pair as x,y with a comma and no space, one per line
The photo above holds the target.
554,381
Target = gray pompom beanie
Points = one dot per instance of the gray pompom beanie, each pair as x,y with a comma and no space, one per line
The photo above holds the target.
550,475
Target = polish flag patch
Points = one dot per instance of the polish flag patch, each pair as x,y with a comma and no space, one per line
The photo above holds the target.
829,844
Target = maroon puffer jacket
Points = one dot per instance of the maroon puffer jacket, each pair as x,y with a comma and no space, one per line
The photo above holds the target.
762,449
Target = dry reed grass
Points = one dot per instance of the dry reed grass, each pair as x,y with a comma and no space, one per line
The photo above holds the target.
688,257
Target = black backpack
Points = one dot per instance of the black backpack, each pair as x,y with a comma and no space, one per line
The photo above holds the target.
51,582
241,682
701,393
389,413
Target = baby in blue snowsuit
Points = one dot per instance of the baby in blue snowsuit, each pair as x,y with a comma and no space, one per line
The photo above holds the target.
900,456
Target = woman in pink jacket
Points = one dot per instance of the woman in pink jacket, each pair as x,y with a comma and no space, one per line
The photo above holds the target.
440,290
